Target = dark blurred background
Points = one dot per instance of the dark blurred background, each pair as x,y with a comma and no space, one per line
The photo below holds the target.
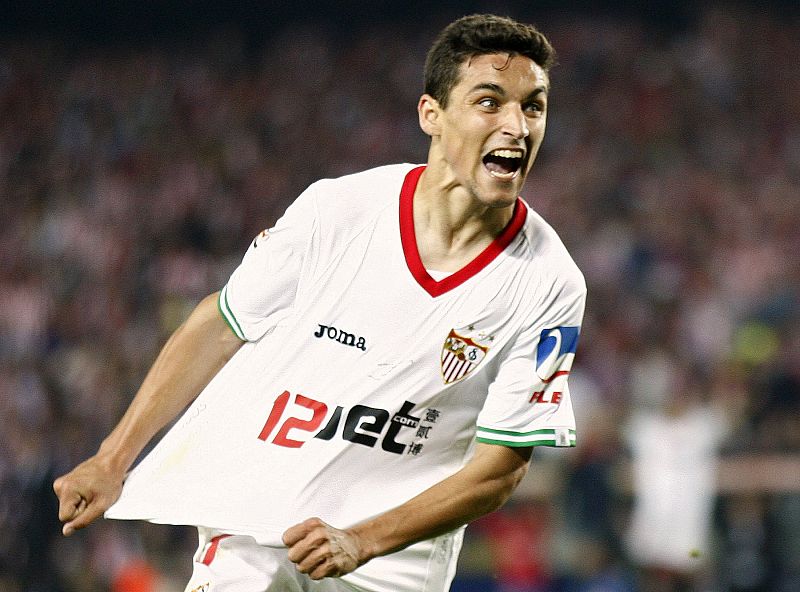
143,145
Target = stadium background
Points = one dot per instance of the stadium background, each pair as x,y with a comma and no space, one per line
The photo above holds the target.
143,144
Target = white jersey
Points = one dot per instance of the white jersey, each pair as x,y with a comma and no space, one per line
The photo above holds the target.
364,381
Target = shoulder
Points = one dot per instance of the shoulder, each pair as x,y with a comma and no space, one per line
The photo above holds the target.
380,182
345,206
358,197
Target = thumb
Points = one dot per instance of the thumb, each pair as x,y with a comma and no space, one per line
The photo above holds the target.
85,513
69,510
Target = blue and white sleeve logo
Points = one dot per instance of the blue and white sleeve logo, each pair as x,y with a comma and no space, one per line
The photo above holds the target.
555,352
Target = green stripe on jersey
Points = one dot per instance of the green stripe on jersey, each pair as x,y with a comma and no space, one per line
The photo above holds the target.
560,437
227,313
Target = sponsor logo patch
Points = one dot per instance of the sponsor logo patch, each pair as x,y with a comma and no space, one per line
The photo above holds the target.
555,346
341,336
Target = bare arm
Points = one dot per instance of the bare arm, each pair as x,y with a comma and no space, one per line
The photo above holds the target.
186,364
482,486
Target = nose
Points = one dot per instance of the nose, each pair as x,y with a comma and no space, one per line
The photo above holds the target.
515,123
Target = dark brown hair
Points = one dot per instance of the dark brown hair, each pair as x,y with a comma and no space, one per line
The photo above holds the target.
480,34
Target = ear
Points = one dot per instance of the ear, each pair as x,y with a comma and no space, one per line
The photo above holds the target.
429,112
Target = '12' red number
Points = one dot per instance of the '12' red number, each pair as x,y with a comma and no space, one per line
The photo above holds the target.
318,408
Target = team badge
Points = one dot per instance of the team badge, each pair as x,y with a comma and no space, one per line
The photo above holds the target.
460,356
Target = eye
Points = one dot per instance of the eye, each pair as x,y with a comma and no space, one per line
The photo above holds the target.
488,103
534,109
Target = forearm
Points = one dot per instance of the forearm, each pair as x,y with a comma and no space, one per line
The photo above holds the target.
482,486
191,357
194,353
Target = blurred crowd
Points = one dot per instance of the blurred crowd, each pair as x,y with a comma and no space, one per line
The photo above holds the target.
132,178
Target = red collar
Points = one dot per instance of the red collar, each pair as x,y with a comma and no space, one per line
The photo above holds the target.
409,239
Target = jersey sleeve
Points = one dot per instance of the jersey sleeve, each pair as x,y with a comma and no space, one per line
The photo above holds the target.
528,403
262,289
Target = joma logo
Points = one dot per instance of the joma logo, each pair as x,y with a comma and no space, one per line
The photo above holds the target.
342,337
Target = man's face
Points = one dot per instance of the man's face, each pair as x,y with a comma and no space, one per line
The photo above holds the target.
493,125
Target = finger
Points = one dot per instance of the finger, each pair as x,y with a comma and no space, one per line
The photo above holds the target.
301,549
329,567
68,505
88,514
320,563
298,532
68,529
324,570
293,535
312,559
77,510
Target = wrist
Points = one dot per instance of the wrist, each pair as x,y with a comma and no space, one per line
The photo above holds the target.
365,548
113,459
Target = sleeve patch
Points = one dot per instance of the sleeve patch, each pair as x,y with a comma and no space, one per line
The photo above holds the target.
554,346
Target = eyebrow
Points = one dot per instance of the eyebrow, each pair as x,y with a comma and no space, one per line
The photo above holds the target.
499,90
495,88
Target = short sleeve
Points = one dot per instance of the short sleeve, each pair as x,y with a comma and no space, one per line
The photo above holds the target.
263,288
528,403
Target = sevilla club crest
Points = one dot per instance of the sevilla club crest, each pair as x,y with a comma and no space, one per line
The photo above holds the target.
460,356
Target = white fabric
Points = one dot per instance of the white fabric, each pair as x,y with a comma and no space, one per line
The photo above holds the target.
239,564
339,406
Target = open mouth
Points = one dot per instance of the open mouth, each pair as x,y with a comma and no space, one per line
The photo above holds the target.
503,163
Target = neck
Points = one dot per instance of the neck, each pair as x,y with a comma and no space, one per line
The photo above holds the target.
451,225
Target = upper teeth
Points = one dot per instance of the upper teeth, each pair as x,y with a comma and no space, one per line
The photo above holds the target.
507,153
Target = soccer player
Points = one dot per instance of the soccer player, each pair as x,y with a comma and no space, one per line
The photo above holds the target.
376,372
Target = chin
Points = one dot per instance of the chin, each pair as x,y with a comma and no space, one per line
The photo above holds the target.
499,200
504,203
503,197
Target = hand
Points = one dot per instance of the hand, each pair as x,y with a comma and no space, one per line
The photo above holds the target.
85,493
322,551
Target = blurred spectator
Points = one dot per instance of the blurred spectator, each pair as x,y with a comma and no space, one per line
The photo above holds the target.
675,437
